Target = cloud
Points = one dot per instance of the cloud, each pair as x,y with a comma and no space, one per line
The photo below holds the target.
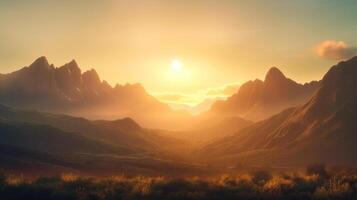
335,50
224,91
198,97
178,98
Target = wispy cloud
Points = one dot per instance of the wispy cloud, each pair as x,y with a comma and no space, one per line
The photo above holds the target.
198,97
179,98
335,50
225,90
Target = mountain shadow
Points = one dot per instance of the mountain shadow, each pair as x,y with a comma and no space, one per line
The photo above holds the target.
42,86
322,130
257,100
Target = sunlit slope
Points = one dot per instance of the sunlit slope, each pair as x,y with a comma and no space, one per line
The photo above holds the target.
66,89
34,139
322,130
123,132
257,100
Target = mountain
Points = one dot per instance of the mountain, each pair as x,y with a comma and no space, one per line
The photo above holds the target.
256,100
210,128
123,133
323,130
34,164
48,139
45,143
42,86
196,109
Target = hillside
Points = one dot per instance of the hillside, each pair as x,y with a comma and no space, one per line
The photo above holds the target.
322,130
42,86
61,142
257,100
122,132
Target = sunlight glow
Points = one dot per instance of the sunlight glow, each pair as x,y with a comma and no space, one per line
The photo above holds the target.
176,65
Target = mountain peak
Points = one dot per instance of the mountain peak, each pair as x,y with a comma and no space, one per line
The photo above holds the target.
274,74
128,86
338,85
91,77
91,72
343,71
71,67
127,123
73,64
40,62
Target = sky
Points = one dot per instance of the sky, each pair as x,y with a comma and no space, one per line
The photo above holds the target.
218,44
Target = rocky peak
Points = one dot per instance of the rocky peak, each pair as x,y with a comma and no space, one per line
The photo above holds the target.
90,78
274,75
40,63
135,90
251,87
343,71
134,87
70,72
69,78
127,124
72,67
106,85
339,84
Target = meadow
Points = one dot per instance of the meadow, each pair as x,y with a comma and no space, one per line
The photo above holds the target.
315,182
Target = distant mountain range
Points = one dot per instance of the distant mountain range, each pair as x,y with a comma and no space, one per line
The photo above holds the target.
319,126
257,100
66,89
50,143
124,133
323,130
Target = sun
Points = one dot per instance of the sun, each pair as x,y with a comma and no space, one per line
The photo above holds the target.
178,72
176,65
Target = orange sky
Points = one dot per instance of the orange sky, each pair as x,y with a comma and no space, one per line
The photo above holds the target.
219,43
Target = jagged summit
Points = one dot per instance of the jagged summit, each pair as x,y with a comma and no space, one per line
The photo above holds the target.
322,130
91,77
66,89
256,100
346,69
137,87
73,63
274,74
40,62
41,59
71,66
337,90
128,123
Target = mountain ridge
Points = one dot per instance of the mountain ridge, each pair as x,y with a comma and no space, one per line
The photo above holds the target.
257,99
321,130
66,89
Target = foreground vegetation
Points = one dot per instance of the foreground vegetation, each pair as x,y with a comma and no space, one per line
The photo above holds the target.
315,183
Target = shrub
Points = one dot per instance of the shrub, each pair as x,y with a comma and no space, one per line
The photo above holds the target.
2,178
258,185
261,177
317,169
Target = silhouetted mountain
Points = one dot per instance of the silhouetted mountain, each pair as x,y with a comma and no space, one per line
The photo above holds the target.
256,100
124,133
208,128
66,89
51,140
33,164
322,130
33,141
196,109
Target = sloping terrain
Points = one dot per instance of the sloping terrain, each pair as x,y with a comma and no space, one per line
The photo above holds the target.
257,100
54,143
122,132
66,90
322,130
